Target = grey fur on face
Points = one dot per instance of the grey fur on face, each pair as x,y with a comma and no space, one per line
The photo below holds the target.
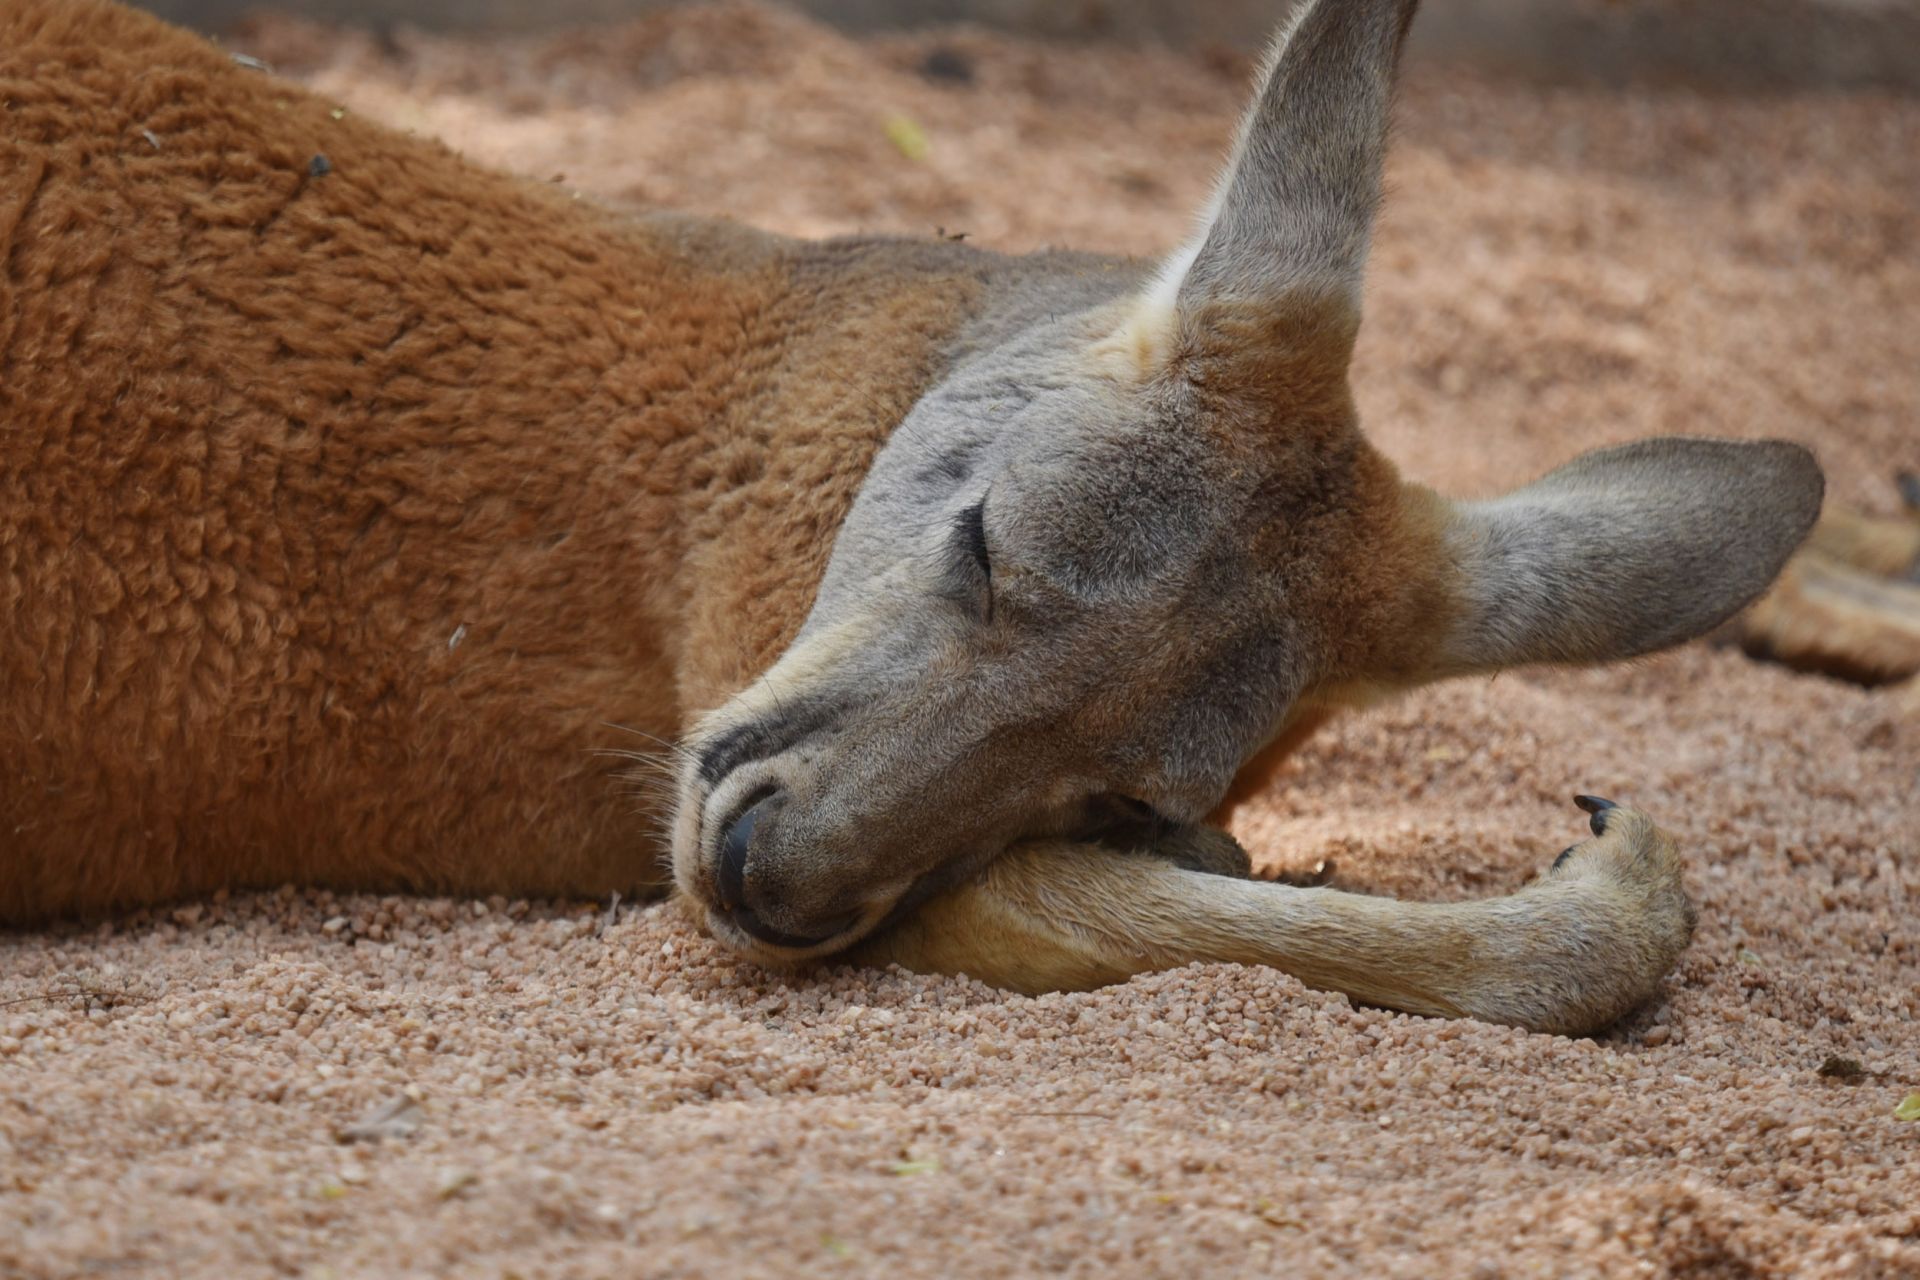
1086,611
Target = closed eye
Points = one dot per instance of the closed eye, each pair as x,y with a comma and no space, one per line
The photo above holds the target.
971,527
971,561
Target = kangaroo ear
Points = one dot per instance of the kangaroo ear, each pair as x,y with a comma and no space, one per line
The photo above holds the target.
1293,212
1623,551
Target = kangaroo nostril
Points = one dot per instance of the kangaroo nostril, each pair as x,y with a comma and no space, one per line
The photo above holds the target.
734,842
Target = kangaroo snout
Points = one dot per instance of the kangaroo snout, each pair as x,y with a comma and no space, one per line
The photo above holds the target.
744,897
760,891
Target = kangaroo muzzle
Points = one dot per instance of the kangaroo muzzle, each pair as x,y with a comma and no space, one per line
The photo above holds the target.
741,895
751,890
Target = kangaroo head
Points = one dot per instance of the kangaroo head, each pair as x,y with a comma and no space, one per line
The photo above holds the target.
1104,562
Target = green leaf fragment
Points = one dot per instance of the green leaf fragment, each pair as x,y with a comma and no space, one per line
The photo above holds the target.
907,137
1274,1216
1909,1108
454,1181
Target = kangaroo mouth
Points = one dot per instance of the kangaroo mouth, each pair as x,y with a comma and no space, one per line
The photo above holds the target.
779,950
745,920
774,949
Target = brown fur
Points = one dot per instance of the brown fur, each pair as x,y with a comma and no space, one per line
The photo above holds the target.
1888,546
339,511
1848,604
1826,615
1364,560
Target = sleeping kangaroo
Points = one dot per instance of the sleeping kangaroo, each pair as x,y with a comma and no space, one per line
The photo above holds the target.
351,497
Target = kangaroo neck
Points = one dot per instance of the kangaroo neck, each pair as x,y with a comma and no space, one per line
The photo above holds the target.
836,343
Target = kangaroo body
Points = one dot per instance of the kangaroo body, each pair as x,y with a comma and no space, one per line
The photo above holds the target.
344,513
350,498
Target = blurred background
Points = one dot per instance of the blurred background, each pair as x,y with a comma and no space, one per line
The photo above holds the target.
1748,43
1605,218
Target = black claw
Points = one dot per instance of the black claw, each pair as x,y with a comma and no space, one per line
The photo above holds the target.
1561,861
1597,808
1909,486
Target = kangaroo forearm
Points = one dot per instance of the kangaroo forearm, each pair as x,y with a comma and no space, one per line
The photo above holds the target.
1567,954
1065,917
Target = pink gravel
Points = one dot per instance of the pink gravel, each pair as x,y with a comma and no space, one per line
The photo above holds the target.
585,1091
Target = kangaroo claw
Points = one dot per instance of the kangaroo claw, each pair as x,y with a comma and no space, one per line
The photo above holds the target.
1597,807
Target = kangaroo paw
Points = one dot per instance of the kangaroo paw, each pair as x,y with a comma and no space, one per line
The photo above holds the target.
1598,931
1632,857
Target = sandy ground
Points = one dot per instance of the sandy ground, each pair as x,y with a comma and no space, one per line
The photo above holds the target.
592,1092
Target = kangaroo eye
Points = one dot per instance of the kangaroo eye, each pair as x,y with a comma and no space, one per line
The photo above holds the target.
971,525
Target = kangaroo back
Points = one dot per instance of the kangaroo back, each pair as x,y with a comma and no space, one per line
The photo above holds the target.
347,491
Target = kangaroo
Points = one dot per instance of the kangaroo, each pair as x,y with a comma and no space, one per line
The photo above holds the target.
351,496
1848,604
